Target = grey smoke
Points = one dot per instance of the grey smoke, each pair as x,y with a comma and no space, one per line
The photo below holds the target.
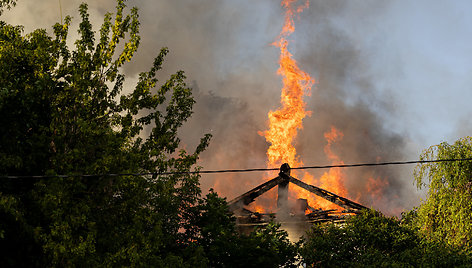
224,48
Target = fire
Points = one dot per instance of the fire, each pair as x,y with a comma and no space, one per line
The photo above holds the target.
285,122
332,180
376,186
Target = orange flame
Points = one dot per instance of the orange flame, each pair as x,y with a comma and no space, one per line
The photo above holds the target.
285,122
332,180
376,187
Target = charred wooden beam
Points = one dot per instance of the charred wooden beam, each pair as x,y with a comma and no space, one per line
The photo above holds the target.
248,197
334,198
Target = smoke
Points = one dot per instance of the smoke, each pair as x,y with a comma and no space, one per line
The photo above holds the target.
224,49
346,97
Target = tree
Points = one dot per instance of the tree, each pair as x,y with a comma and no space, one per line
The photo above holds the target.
62,112
224,247
446,214
268,246
216,228
6,4
63,115
367,239
371,239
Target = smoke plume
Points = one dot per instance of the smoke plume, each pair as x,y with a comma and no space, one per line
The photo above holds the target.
225,49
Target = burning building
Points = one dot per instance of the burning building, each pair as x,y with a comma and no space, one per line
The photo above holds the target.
297,206
313,124
296,215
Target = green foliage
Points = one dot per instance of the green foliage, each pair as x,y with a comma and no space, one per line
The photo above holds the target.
268,246
371,239
63,112
446,214
224,247
368,239
6,4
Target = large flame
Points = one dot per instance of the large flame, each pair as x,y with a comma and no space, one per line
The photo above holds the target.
285,122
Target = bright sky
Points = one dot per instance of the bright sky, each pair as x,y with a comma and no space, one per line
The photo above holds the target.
431,42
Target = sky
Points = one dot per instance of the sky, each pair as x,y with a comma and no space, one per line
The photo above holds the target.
393,76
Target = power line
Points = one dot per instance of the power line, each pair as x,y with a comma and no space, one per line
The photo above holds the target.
386,163
236,170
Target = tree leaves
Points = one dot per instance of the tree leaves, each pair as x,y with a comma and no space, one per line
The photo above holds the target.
446,214
6,4
61,115
373,240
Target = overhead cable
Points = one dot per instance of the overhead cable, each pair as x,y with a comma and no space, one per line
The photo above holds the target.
234,170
